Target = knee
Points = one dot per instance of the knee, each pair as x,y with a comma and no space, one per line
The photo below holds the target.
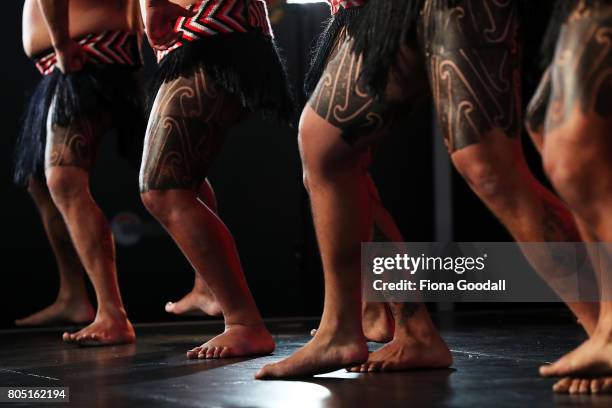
159,203
65,184
487,177
323,160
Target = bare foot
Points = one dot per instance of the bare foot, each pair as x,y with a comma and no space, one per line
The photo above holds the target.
236,341
378,324
583,386
322,354
195,304
106,330
60,312
377,321
406,353
593,359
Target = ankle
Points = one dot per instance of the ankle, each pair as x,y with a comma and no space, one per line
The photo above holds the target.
604,330
72,297
257,326
116,313
340,333
244,319
421,330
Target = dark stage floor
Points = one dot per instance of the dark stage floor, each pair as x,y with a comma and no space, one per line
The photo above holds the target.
496,360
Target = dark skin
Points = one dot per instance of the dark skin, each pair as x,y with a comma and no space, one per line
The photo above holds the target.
535,124
72,304
70,55
69,156
504,182
338,128
188,125
340,100
475,82
200,301
472,77
593,95
576,150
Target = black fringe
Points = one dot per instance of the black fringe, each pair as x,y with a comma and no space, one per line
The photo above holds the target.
97,88
325,44
382,28
385,25
247,65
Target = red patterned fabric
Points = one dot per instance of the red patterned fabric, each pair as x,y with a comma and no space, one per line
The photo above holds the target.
109,47
220,17
336,4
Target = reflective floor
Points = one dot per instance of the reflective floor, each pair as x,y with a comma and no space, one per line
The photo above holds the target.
496,360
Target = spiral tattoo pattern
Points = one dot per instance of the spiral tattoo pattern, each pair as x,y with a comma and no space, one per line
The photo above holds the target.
582,69
473,56
187,128
75,144
340,97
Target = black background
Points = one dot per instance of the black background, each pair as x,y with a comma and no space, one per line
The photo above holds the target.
258,183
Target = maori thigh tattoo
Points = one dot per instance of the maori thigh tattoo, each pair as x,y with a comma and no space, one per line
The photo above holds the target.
582,69
473,58
187,127
75,144
340,98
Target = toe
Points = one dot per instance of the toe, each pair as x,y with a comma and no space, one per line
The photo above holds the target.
595,386
374,367
606,387
264,372
217,352
313,332
562,386
584,387
66,337
210,352
225,352
574,387
202,352
549,370
169,307
193,353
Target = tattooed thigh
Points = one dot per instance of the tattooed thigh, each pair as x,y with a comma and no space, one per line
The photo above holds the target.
341,99
187,127
473,62
74,144
582,68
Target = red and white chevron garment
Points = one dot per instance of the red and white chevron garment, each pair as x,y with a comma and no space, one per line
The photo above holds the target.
220,17
336,4
109,47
